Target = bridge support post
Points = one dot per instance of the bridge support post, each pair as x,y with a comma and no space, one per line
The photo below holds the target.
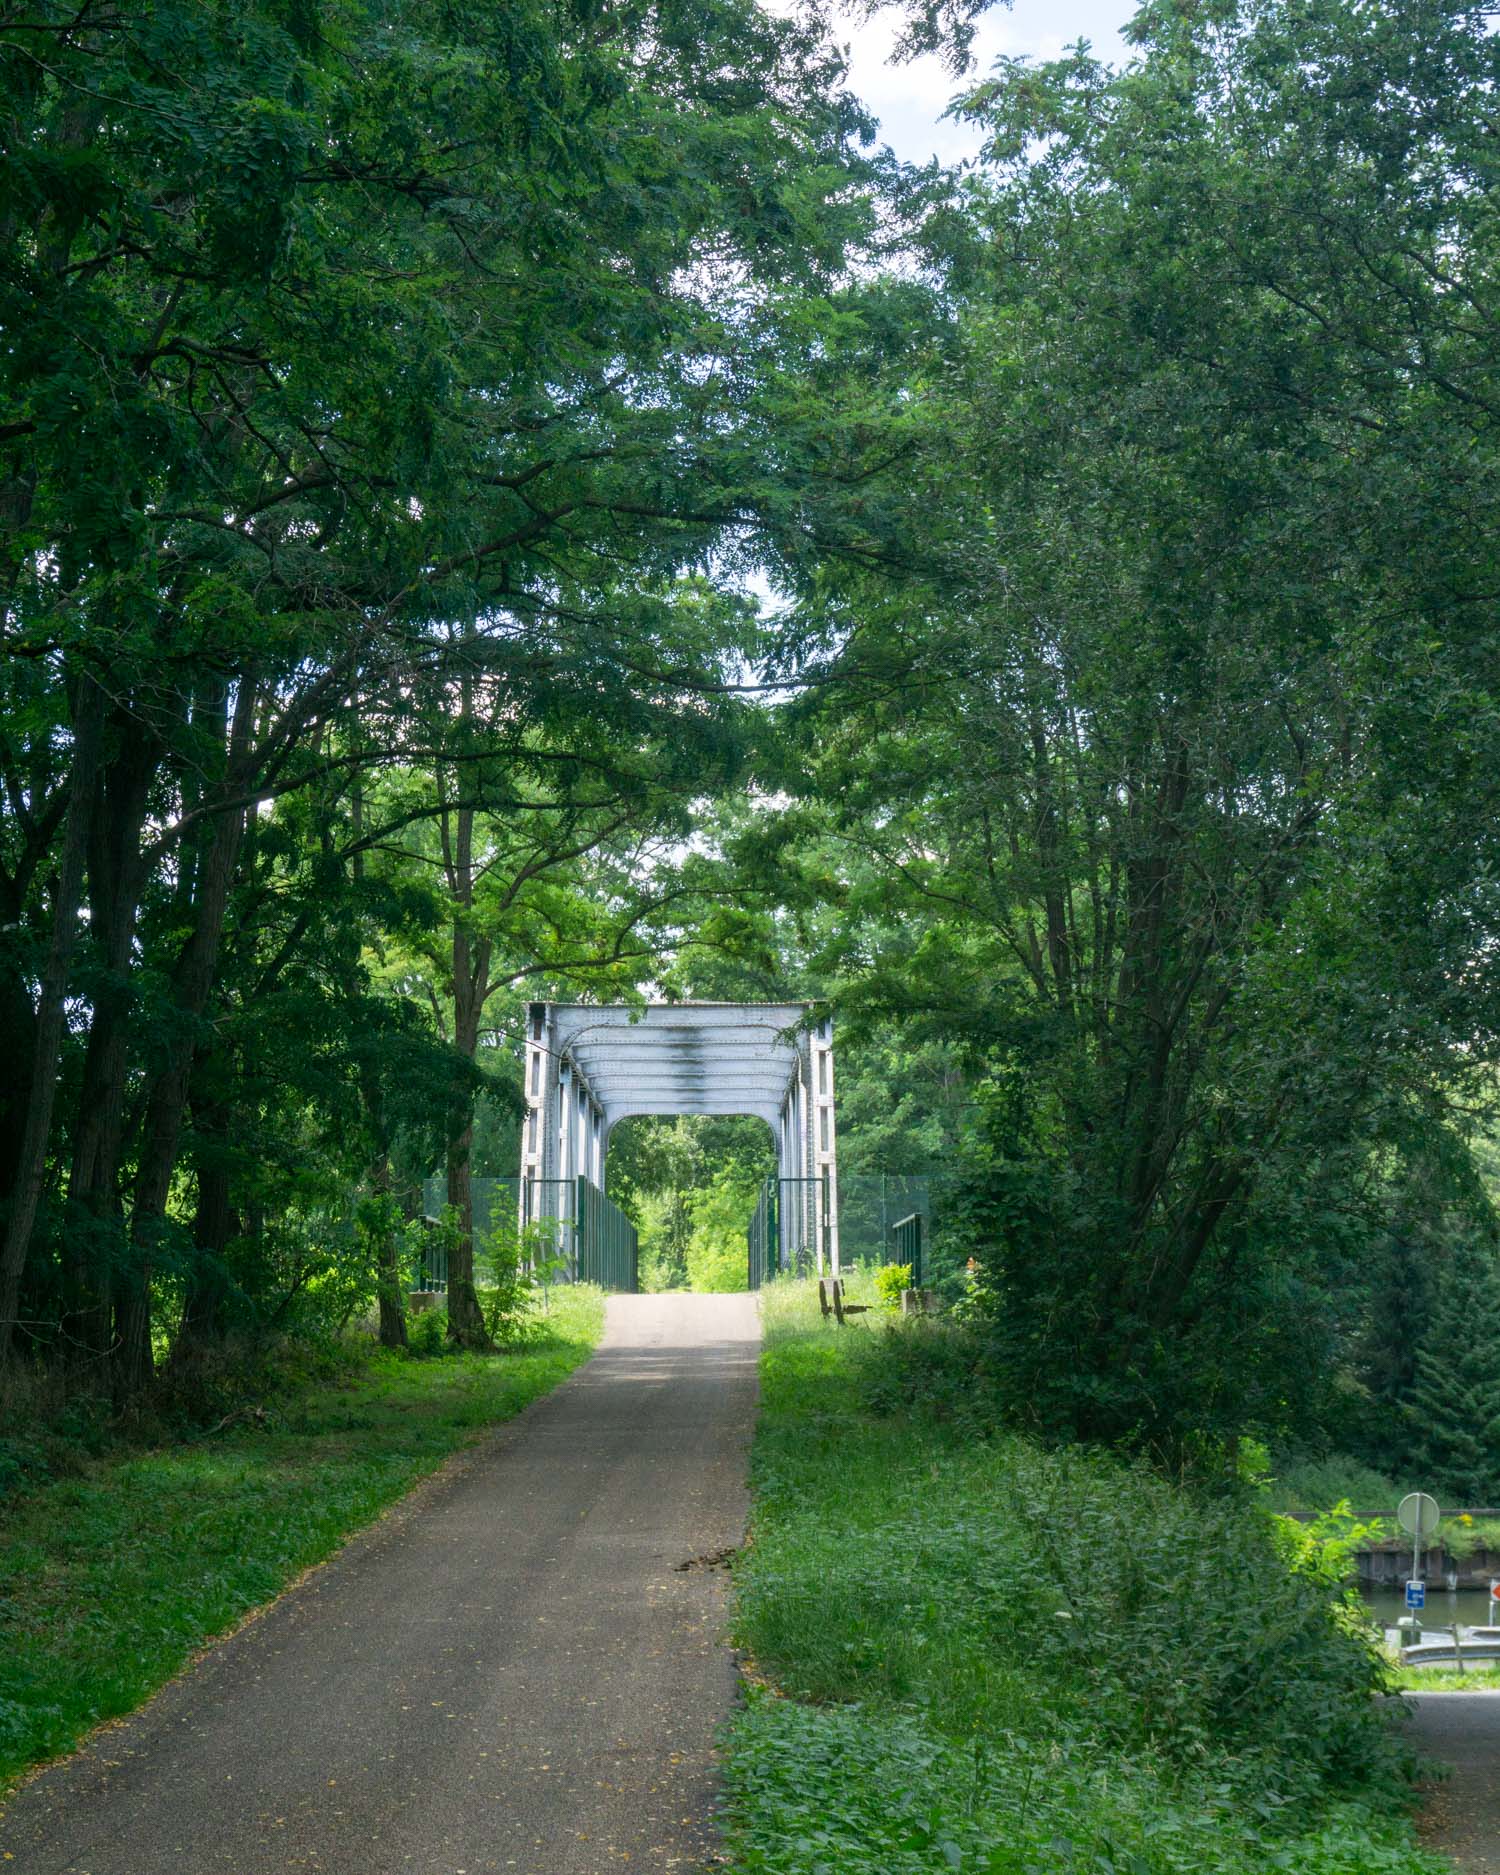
824,1144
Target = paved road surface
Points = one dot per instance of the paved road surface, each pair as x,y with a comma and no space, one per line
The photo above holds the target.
1463,1816
507,1673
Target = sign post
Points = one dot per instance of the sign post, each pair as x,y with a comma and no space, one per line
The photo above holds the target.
1418,1515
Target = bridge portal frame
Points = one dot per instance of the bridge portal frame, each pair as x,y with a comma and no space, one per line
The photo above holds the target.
591,1065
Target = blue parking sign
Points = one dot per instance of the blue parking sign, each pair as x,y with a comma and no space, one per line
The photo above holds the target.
1416,1594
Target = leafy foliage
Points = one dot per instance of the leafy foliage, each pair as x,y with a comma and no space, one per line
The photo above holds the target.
890,1281
690,1184
1146,752
1027,1667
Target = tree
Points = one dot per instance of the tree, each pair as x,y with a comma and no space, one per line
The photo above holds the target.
1156,707
717,1254
1454,1405
360,367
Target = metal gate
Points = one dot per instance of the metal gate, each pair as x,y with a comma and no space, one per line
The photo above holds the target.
791,1217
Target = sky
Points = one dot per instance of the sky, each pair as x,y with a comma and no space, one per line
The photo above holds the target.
910,99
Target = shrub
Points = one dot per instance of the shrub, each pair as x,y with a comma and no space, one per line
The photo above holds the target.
1039,1660
1317,1484
890,1281
1463,1536
427,1333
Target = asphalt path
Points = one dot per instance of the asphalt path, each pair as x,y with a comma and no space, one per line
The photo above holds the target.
1462,1817
513,1670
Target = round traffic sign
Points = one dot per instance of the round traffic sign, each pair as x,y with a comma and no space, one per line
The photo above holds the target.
1418,1514
1495,1591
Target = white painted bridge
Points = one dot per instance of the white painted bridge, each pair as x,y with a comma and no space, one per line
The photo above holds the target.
589,1066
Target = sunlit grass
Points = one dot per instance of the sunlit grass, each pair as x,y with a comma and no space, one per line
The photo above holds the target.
1481,1678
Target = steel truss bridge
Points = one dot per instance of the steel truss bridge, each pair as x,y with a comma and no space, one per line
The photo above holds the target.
589,1066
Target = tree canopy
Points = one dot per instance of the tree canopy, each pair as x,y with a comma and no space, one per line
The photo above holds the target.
523,501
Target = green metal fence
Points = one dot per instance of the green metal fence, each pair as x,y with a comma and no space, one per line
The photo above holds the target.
782,1233
594,1234
871,1204
883,1217
909,1237
606,1247
763,1236
429,1264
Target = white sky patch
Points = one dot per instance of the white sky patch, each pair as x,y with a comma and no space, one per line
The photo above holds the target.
910,99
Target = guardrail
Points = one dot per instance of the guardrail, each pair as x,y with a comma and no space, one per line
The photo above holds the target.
1475,1644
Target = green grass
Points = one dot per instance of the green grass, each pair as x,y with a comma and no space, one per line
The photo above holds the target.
112,1578
973,1654
1473,1679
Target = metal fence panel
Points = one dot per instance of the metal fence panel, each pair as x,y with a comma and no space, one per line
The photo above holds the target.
908,1235
594,1234
883,1218
606,1246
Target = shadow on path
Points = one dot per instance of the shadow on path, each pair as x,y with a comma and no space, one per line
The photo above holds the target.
509,1672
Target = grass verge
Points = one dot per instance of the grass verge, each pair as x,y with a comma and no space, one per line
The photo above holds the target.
112,1578
971,1654
1476,1679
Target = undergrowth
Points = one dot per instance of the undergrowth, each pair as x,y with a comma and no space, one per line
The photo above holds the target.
150,1540
970,1653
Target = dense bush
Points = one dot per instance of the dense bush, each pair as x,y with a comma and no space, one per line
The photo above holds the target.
1047,1659
890,1282
427,1333
1308,1483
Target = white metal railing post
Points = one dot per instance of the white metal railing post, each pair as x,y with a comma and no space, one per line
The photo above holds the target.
534,1127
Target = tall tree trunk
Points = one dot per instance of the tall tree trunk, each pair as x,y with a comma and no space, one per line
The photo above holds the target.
17,1043
388,1264
51,1014
215,1224
117,870
166,1101
471,967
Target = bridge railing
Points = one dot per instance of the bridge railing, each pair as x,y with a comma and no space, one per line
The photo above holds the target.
606,1247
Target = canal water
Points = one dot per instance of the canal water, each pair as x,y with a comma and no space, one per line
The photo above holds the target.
1469,1607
